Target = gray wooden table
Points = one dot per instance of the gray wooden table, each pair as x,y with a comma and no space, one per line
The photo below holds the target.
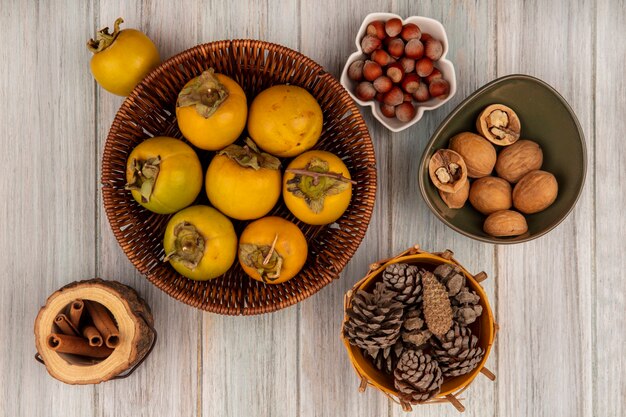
560,300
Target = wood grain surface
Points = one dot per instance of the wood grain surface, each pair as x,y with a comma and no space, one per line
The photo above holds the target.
560,300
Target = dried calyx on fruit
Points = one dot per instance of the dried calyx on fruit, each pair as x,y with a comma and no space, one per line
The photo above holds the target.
104,39
205,92
374,320
457,351
417,377
249,156
188,247
264,258
499,124
448,171
145,174
315,182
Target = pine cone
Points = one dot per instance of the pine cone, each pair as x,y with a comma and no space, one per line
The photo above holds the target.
386,359
417,376
451,276
465,307
374,320
437,309
456,351
414,329
405,281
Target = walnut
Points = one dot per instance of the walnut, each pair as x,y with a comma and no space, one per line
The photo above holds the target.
535,192
456,200
499,124
490,194
519,159
505,223
447,170
479,155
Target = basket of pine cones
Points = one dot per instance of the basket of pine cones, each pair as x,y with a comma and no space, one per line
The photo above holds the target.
419,328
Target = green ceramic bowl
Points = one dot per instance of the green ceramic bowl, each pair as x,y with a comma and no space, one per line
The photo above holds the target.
547,119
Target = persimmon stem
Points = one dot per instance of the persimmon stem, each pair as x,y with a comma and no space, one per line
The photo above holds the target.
272,248
316,175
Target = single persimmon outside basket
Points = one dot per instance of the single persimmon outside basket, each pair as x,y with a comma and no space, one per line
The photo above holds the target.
149,111
484,328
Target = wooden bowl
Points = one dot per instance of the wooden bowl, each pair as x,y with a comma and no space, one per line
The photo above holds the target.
149,111
484,328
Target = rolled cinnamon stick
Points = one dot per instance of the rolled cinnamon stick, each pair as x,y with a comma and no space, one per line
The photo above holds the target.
65,325
104,323
63,343
93,335
76,311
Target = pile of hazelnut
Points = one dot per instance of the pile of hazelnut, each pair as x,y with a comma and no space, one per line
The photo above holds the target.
399,68
520,183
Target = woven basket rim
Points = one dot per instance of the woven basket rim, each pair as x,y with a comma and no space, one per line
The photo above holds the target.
374,273
369,186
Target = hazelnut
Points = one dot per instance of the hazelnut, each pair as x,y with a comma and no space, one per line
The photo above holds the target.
410,83
519,159
387,110
405,111
499,124
377,28
447,170
456,200
381,57
394,96
414,49
439,88
393,26
424,67
433,49
535,192
371,70
355,70
365,91
395,71
369,44
490,194
410,31
421,94
396,48
383,84
434,75
505,223
479,155
408,64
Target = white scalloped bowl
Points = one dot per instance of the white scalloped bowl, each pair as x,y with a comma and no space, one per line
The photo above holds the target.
427,25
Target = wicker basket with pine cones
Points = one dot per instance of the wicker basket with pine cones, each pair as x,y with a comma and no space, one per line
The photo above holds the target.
419,328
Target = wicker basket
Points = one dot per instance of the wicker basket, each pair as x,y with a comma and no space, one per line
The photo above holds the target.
149,111
485,328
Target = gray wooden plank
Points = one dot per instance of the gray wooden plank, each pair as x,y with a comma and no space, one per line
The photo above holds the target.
328,383
471,30
47,186
609,371
250,364
167,383
544,286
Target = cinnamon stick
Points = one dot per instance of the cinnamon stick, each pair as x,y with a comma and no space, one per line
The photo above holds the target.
104,323
65,325
63,343
93,335
76,311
